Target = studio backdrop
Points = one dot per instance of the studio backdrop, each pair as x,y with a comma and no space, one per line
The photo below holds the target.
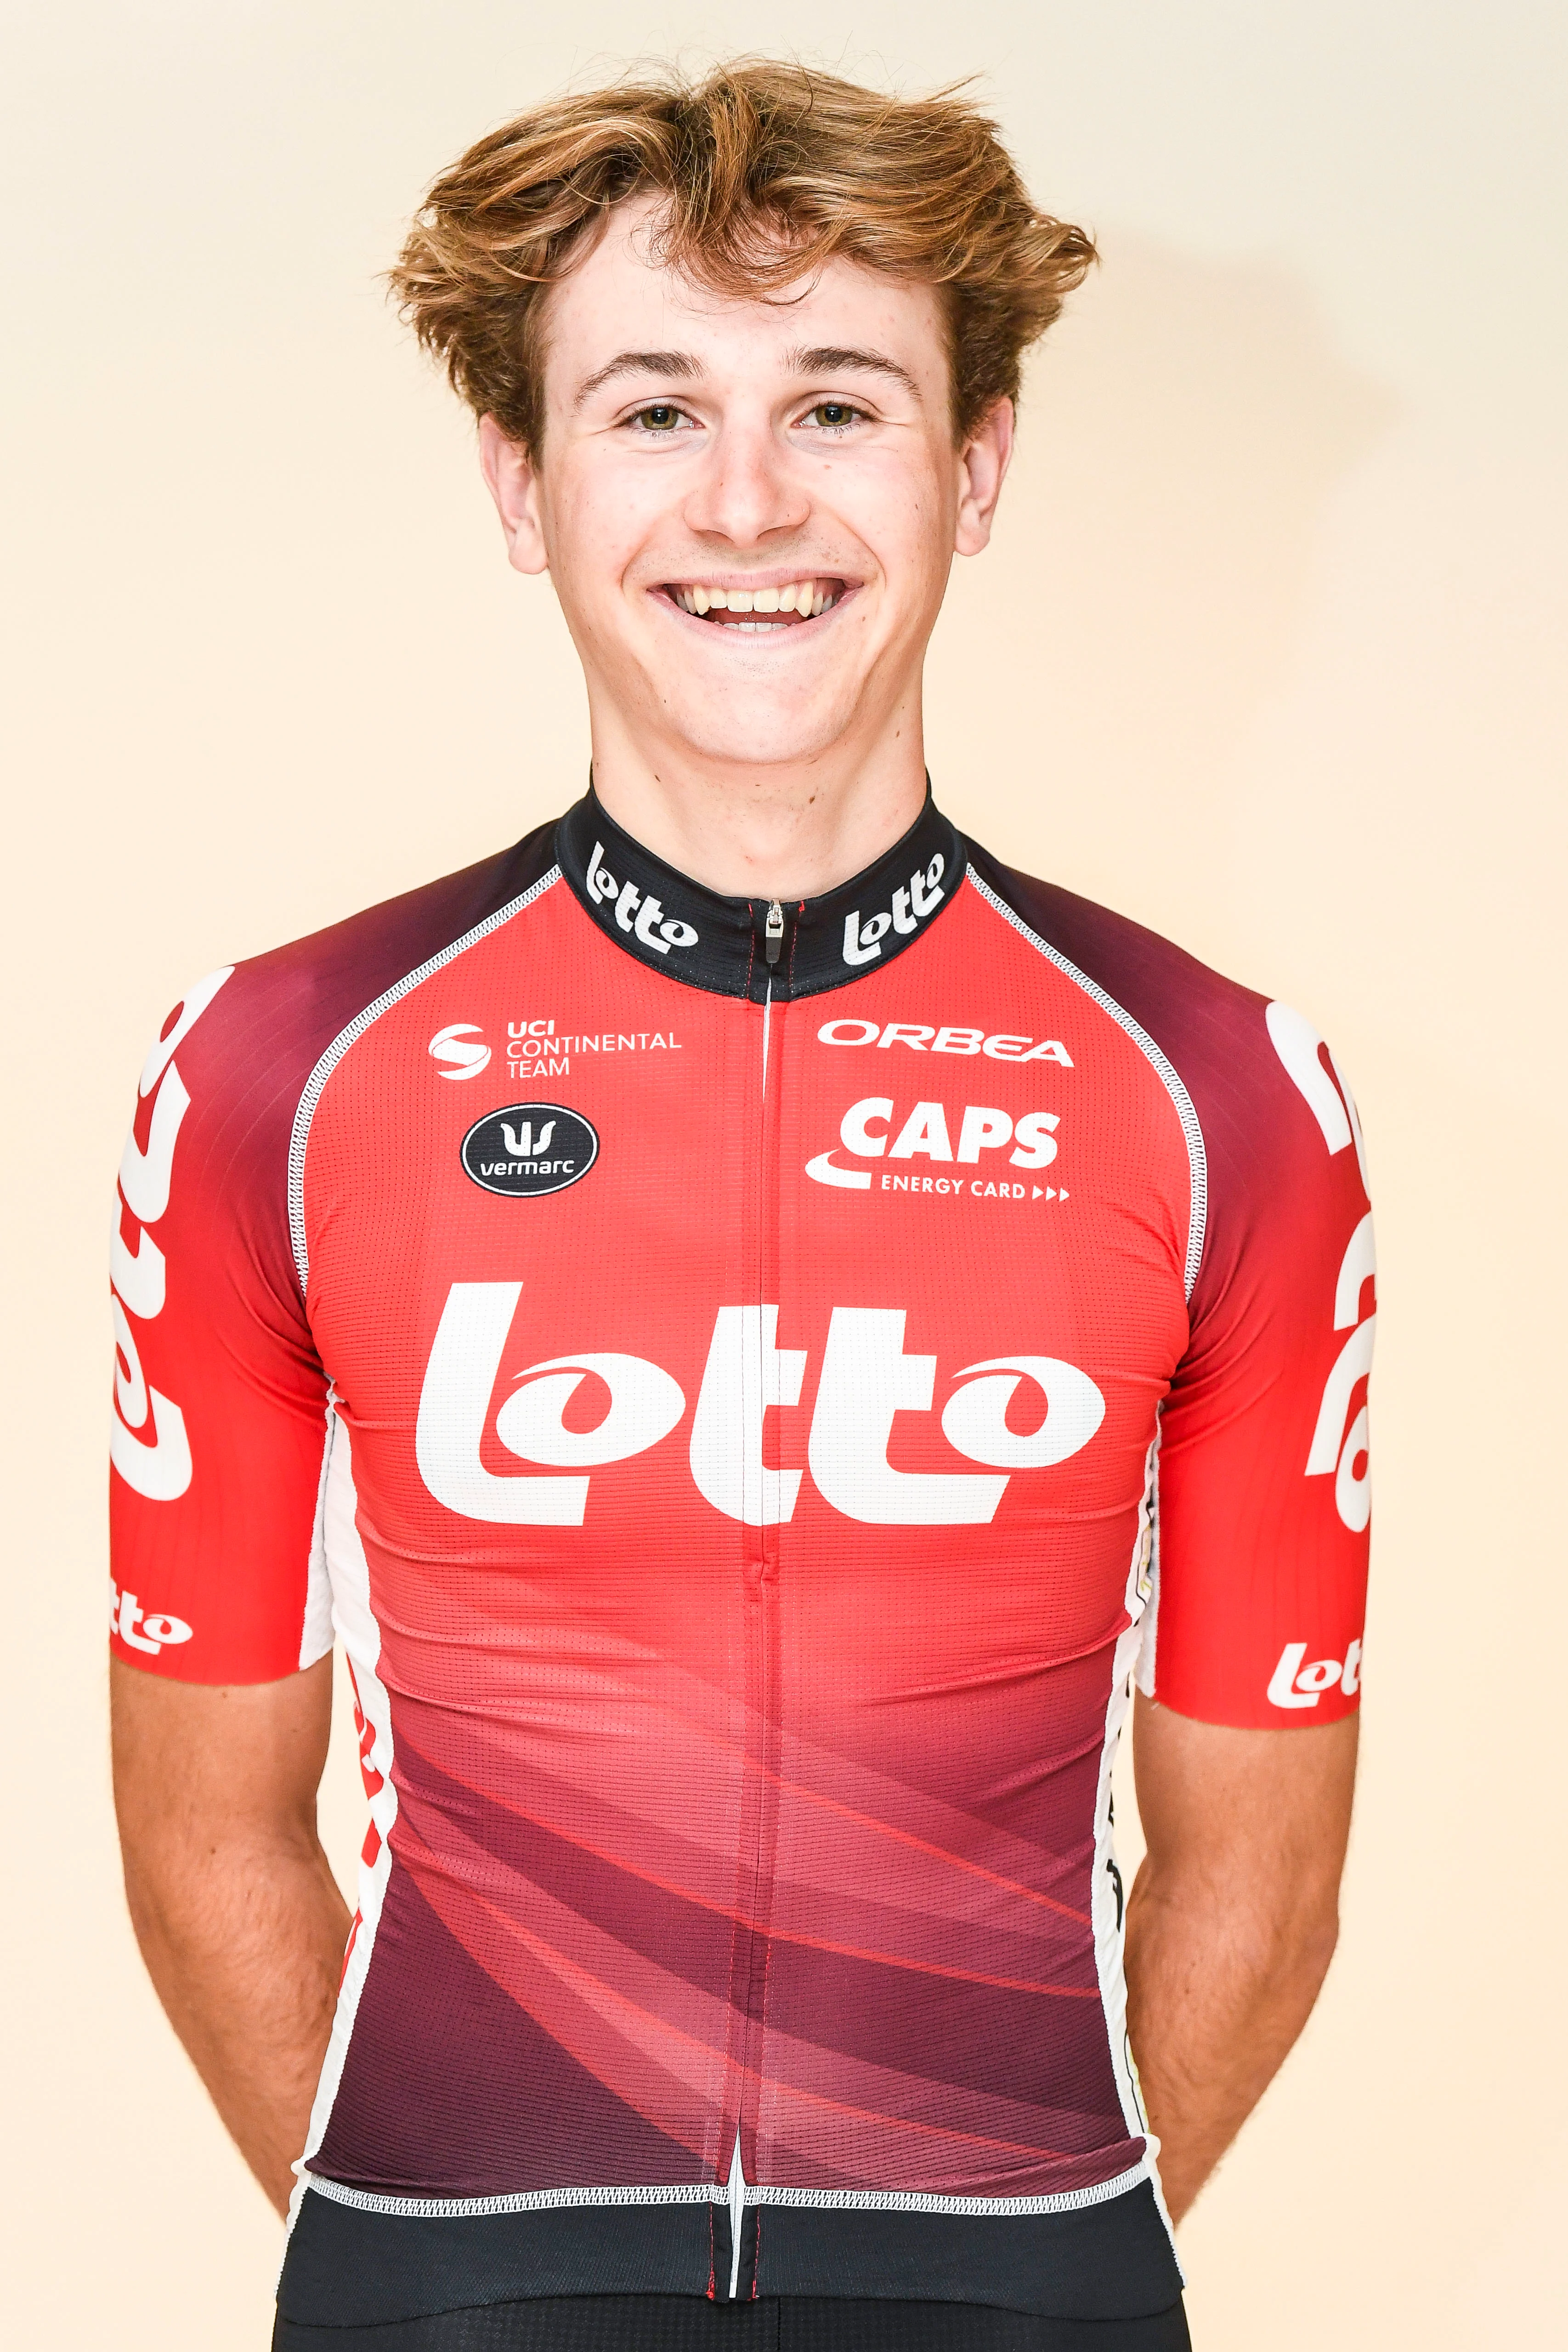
1263,655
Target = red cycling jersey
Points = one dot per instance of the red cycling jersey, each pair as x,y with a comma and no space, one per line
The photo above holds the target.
749,1388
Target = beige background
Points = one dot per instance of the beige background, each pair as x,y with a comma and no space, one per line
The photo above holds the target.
1261,656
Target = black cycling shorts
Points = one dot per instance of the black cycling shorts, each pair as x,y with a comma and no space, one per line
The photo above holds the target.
678,2322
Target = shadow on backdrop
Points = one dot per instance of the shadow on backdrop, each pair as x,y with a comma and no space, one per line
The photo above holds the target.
1182,432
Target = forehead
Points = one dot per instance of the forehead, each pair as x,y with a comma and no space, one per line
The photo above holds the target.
623,297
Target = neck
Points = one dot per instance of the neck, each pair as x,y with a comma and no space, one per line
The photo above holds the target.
788,831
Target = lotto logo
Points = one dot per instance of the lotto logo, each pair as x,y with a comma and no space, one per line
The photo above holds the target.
148,1443
637,912
157,1629
1340,1441
1295,1684
920,897
867,1380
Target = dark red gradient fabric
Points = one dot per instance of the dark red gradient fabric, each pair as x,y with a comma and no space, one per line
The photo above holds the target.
745,1426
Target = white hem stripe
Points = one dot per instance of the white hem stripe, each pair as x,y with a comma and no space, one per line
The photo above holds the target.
717,2192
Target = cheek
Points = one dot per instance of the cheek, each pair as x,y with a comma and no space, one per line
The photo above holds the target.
597,525
906,514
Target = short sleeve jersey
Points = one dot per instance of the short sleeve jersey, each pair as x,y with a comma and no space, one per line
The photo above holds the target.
749,1388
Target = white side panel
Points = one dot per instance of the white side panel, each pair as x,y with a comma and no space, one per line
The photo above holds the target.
361,1639
316,1632
1148,1648
1108,1893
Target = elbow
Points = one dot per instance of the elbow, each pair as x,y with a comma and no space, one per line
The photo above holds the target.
1316,1940
1273,1951
145,1896
1290,1958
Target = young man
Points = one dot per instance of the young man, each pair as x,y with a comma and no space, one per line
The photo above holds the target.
752,1323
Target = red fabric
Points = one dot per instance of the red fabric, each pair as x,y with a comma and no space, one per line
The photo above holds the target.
766,1795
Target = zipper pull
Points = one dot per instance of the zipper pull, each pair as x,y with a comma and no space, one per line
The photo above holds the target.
773,933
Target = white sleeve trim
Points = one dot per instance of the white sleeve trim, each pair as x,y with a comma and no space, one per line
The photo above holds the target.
315,1084
1196,1158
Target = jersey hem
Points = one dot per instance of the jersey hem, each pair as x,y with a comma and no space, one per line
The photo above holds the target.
715,2192
1111,2260
1273,1721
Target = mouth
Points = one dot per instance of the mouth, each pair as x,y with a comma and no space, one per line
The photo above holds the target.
758,611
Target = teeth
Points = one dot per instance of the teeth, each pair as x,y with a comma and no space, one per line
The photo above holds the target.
809,598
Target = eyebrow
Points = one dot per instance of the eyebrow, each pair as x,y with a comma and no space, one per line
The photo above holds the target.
833,359
677,363
822,359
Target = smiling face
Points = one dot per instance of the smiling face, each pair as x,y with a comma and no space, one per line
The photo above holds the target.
748,509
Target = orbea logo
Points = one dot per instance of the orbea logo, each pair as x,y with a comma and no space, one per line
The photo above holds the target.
158,1630
921,1038
459,1044
1295,1685
652,927
920,897
868,1379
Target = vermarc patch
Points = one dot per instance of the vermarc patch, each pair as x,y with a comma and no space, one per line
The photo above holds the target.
529,1148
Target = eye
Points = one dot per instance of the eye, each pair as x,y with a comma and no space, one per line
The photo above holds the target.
660,417
833,415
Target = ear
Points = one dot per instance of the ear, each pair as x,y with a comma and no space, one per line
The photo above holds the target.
983,462
514,484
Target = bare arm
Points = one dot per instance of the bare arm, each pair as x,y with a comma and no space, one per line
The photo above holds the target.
235,1909
1233,1919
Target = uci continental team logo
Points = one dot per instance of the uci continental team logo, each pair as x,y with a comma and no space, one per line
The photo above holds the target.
528,1148
461,1045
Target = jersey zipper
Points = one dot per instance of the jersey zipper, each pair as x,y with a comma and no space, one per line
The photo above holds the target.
759,1553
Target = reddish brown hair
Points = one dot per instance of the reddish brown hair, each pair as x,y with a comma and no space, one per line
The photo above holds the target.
764,172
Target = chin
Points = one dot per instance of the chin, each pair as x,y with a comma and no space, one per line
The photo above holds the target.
755,731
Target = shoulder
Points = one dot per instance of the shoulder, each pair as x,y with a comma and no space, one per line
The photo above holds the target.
1279,1141
220,1087
1198,1017
265,1023
1254,1067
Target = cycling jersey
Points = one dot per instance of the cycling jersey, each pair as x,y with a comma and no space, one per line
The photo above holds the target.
748,1386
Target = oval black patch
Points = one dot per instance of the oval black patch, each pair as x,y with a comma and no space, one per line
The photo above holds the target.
528,1148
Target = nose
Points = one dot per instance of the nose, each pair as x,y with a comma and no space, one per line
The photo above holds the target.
747,489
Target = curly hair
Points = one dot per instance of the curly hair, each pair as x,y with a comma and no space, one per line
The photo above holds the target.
764,172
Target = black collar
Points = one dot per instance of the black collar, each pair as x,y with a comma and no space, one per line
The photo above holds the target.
676,926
